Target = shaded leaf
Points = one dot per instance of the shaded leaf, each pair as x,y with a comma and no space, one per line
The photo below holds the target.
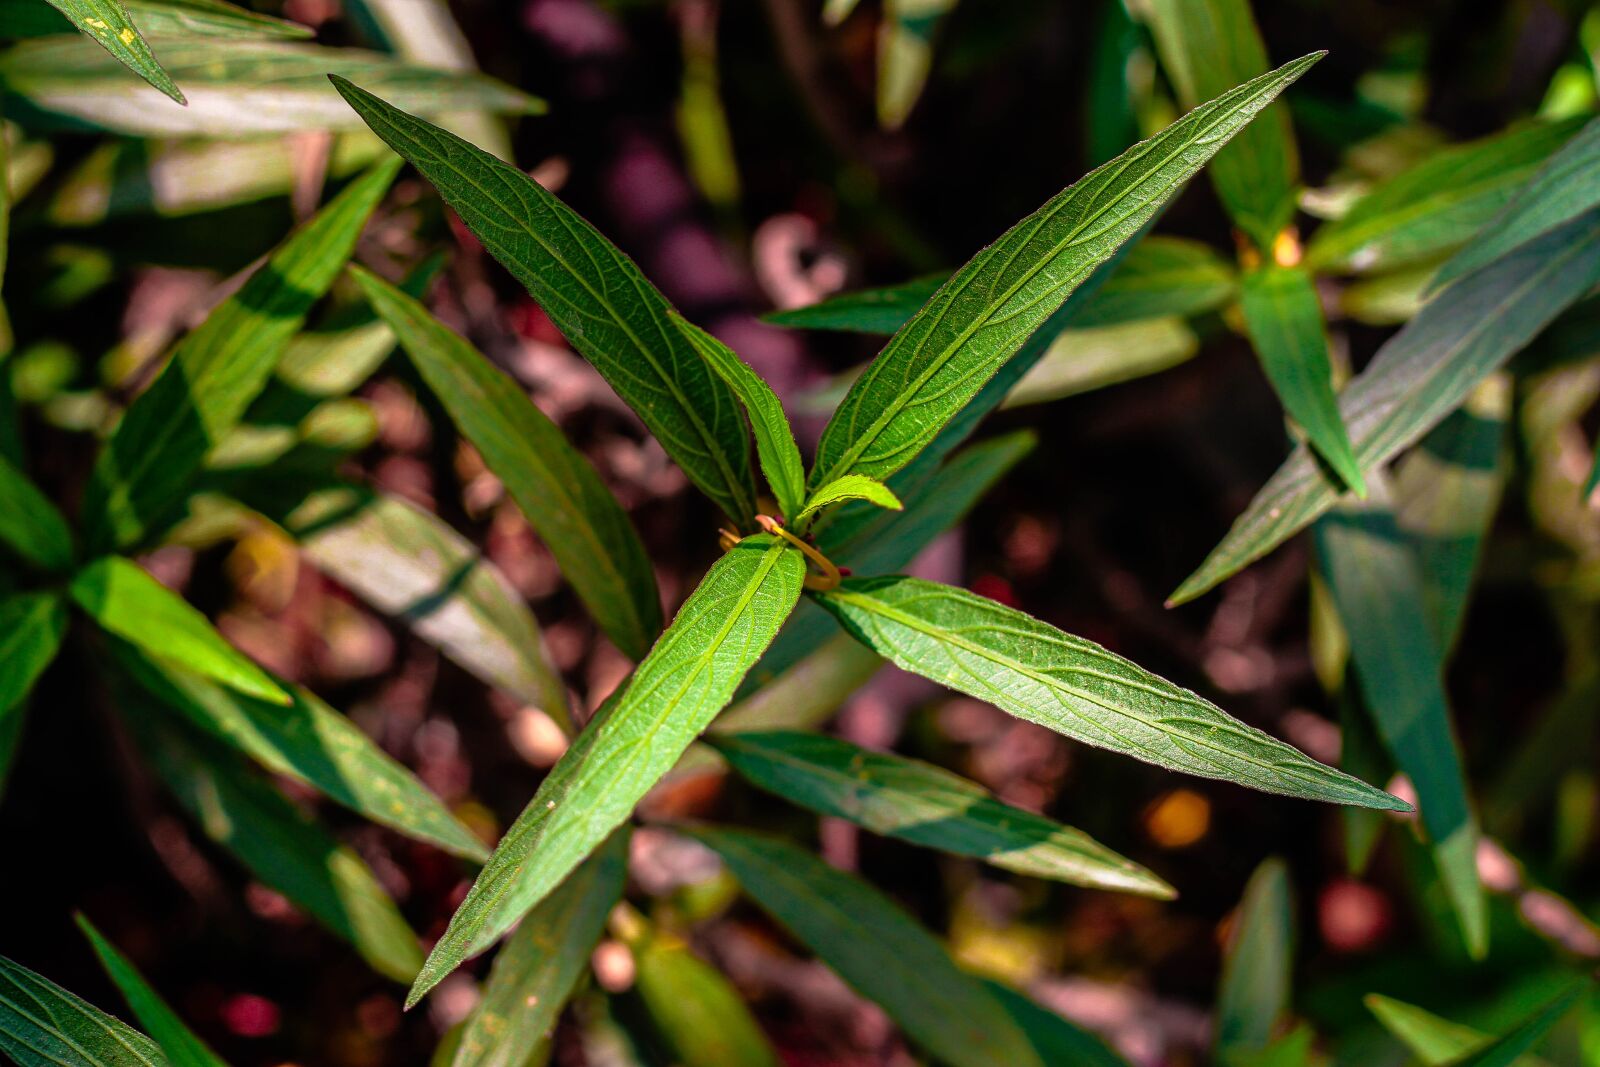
696,1010
1075,687
31,628
905,54
677,690
1257,966
30,525
928,806
942,358
159,18
106,23
593,293
42,1025
1432,1040
851,487
1079,361
576,517
1508,1049
875,311
1056,1039
177,1041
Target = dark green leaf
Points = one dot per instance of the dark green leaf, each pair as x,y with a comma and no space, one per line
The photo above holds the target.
941,359
597,296
1422,374
677,690
1510,1048
29,523
1056,1039
106,23
1257,967
574,514
928,806
1284,319
177,1041
31,628
1075,687
42,1025
877,311
696,1009
877,948
1434,1041
158,18
542,962
126,601
144,471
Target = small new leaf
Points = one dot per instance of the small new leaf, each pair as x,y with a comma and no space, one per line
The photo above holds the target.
851,487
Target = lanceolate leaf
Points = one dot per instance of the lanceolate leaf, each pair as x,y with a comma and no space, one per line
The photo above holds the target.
1437,204
42,1025
877,948
979,319
851,487
1207,46
775,445
687,678
1257,968
126,601
158,18
929,806
905,55
542,962
177,1041
1057,1040
31,628
596,295
1284,319
1075,687
1508,1049
696,1010
310,742
236,88
584,527
1422,374
106,23
863,311
30,525
145,469
1434,1041
1373,576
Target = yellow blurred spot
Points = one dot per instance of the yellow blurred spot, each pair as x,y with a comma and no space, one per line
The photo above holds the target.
1286,248
1178,819
127,35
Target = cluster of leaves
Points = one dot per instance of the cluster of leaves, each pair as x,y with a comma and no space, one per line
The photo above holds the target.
247,416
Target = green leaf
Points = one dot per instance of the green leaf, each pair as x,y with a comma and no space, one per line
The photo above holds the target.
1422,374
1528,1033
313,744
177,1041
1434,1041
106,23
1080,361
42,1025
851,487
1208,46
775,444
31,628
159,18
1284,319
1376,584
594,294
294,854
928,806
877,948
696,1010
905,55
836,11
236,88
1257,966
1438,204
1056,1039
1075,687
30,525
542,963
687,678
587,531
144,471
876,311
120,596
979,320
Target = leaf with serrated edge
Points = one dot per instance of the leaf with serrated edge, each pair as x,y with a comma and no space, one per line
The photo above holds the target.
42,1025
143,473
928,806
573,512
1422,374
182,1047
978,320
30,525
851,487
595,295
1075,687
877,948
106,23
121,597
677,690
775,444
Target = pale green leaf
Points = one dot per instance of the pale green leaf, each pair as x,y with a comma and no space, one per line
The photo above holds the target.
236,88
677,690
1075,687
851,487
1509,1049
942,358
1257,965
775,444
596,295
542,962
30,525
697,1012
122,598
1284,320
574,514
311,743
158,18
42,1025
177,1041
1080,361
1438,204
143,473
877,948
905,54
1422,374
106,23
1434,1041
928,806
1056,1039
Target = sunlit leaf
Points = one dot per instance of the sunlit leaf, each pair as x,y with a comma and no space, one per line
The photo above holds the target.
851,487
158,18
1434,1041
42,1025
177,1041
1257,966
1080,361
106,23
